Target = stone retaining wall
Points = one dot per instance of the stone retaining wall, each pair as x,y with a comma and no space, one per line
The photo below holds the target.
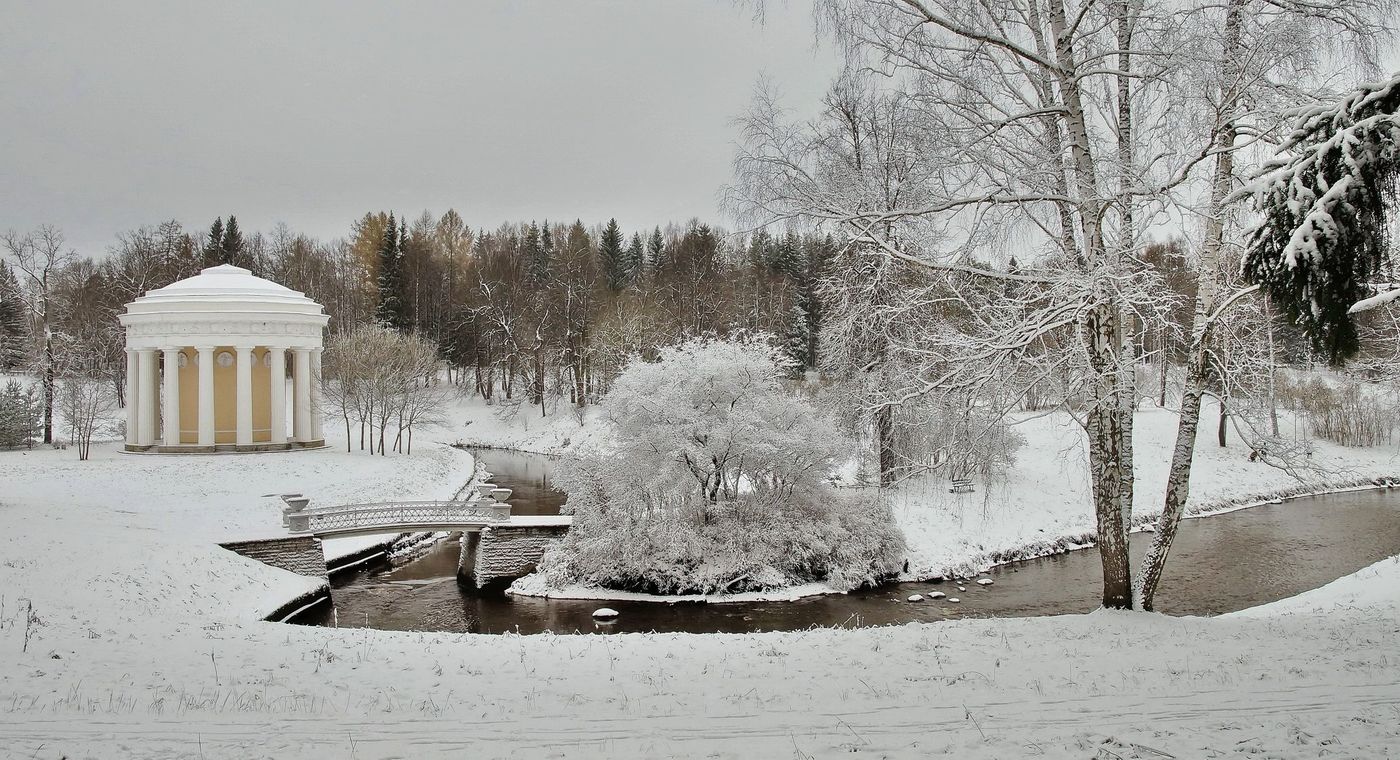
496,556
301,554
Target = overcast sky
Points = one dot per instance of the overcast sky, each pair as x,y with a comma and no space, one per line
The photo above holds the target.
114,115
119,114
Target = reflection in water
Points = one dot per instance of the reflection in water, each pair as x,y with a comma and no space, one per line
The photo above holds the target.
1218,564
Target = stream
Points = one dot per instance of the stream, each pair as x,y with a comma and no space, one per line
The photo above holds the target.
1218,564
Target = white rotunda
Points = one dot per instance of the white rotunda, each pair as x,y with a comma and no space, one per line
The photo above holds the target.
207,360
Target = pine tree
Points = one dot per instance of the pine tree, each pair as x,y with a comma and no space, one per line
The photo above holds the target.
635,255
232,246
214,245
389,311
12,321
612,257
656,247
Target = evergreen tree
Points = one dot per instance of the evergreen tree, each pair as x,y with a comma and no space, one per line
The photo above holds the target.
635,255
232,246
389,311
787,258
20,412
214,245
612,257
798,339
656,246
536,262
760,249
13,332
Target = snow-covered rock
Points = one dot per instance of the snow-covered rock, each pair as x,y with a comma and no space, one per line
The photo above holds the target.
954,599
605,613
936,594
985,581
916,598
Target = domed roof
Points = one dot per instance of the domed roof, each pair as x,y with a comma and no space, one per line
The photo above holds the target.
223,305
225,282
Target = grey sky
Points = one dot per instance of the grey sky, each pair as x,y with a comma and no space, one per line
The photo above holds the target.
118,114
122,114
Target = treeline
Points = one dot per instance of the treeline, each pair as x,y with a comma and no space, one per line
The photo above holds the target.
527,312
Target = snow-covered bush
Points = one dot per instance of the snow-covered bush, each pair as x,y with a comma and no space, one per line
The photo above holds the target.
713,478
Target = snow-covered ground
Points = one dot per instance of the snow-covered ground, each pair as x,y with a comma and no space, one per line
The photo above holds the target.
145,640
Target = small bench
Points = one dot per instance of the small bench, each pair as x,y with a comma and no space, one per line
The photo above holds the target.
962,485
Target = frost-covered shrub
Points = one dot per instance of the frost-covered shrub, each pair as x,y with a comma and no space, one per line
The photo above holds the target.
1352,417
956,437
713,478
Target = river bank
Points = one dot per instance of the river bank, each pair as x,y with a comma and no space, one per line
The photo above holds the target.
1040,507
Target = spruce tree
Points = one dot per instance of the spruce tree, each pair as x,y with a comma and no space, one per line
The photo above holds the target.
536,263
389,309
232,247
787,258
797,339
12,322
612,257
635,257
656,246
214,246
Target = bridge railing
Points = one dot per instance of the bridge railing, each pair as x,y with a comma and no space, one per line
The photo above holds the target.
482,510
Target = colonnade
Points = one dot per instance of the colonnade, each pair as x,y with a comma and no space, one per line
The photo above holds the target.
146,388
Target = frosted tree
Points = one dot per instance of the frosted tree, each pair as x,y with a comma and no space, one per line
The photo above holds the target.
989,124
1327,203
1256,63
711,477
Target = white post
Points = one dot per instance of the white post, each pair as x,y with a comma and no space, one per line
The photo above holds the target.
146,387
301,396
316,394
244,436
206,396
277,376
170,412
131,404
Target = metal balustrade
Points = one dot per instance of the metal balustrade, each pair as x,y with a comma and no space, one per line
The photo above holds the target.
487,509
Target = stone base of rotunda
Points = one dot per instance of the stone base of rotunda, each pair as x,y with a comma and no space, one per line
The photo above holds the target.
226,448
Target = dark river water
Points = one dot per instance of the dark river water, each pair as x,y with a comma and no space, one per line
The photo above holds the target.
1218,564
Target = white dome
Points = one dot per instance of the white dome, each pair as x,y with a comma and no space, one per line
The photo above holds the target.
223,305
227,283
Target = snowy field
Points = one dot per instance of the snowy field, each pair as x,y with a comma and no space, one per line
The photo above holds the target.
145,639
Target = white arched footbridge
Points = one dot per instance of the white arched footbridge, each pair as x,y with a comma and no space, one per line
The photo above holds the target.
488,508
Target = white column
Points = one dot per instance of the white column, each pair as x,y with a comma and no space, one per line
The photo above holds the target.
170,412
146,389
131,402
301,395
245,395
315,394
206,395
277,375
